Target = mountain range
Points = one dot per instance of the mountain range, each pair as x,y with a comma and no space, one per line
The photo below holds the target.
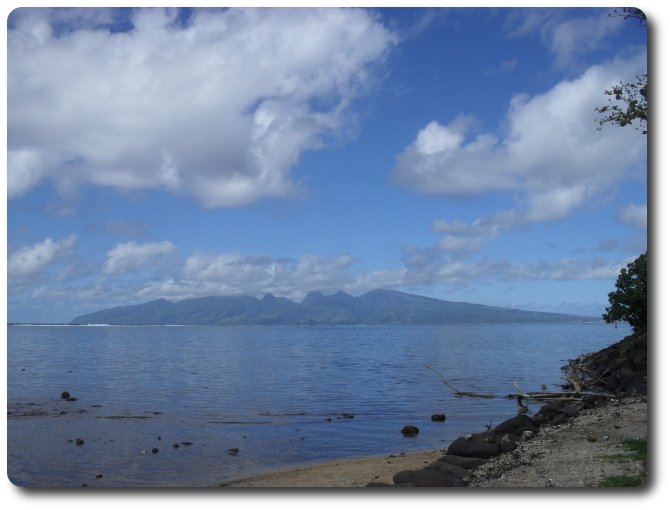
375,307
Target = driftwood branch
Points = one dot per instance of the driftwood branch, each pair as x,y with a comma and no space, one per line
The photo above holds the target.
459,393
538,396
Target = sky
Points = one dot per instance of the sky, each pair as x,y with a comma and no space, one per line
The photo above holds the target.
452,153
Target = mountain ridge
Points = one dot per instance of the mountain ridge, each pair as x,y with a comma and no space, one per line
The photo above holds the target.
376,307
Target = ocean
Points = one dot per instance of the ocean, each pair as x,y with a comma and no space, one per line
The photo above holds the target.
222,402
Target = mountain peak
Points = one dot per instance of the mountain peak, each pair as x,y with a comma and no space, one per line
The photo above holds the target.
314,296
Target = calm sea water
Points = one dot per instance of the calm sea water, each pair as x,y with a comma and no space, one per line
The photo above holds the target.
275,393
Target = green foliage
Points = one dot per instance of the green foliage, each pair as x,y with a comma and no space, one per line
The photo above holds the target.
629,300
627,101
627,105
636,450
639,446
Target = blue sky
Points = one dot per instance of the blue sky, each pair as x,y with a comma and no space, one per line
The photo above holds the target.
452,153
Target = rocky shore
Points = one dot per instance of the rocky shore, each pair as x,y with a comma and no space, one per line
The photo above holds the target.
613,410
590,438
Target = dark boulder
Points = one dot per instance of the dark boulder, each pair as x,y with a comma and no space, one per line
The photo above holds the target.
619,363
464,462
481,446
458,475
594,400
515,425
410,431
559,419
639,359
552,409
438,417
422,478
508,442
573,409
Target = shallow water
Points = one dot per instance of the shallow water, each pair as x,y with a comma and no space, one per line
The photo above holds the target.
276,393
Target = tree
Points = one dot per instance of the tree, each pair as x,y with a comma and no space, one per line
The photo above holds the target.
630,105
631,13
629,300
631,98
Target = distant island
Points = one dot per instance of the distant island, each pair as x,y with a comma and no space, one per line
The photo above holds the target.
375,307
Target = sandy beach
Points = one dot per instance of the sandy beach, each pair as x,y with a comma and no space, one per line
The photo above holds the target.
341,473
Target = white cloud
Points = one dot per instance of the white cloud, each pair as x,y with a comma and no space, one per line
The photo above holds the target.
635,215
431,268
235,273
579,36
220,108
27,169
550,157
567,37
128,257
207,274
30,260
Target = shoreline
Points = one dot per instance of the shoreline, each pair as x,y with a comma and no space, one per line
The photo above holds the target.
345,472
582,441
592,441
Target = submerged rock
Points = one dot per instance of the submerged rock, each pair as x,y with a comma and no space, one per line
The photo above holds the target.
410,431
438,417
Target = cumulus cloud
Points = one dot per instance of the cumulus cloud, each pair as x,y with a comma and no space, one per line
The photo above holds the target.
219,106
549,156
429,267
30,260
635,215
233,273
549,149
128,257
